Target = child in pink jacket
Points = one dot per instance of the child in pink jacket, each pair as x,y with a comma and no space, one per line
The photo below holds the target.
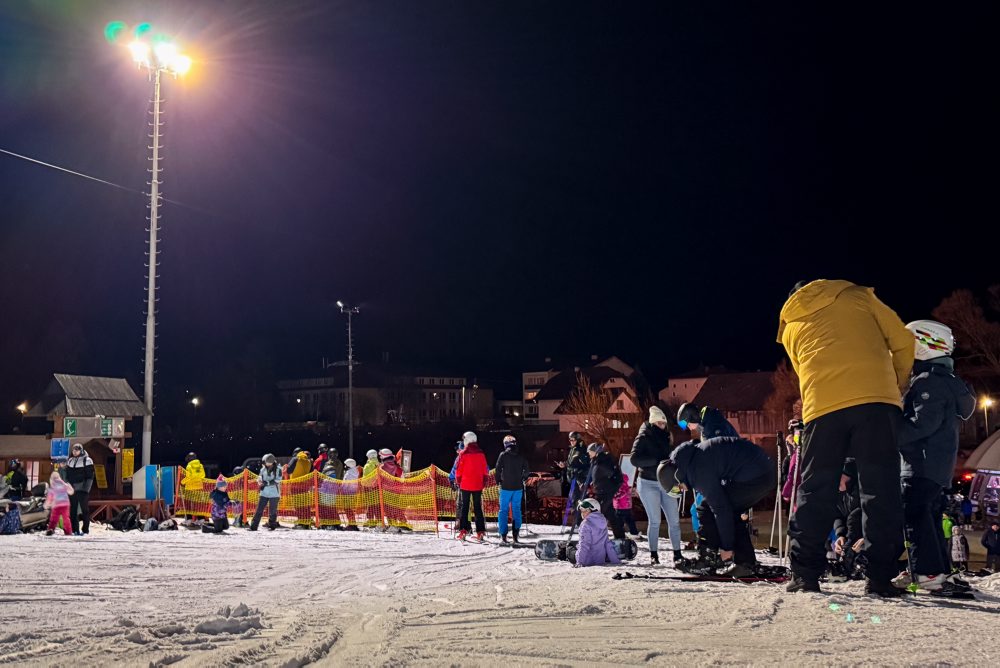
57,503
623,505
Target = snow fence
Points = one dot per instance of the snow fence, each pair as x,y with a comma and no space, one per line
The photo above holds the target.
415,502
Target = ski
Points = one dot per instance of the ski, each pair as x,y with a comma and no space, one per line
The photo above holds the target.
698,578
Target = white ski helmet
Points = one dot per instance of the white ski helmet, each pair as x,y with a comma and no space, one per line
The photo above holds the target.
591,505
469,437
350,463
371,454
934,339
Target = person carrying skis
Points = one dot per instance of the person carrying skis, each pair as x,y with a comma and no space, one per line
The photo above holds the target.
594,548
605,479
853,356
651,446
471,474
991,541
511,473
935,403
732,474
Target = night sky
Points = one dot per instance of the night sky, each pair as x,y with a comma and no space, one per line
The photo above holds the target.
494,182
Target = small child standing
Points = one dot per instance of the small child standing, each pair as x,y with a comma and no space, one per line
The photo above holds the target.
57,503
623,506
220,504
959,549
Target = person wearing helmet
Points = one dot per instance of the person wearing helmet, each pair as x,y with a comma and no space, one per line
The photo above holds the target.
605,479
350,488
652,445
299,465
321,458
194,473
853,357
454,467
16,479
389,464
706,422
933,406
269,484
594,548
79,472
732,474
511,472
334,462
577,462
471,474
371,464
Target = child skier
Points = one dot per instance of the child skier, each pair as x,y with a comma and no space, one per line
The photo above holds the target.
57,503
959,550
928,444
220,504
623,506
595,548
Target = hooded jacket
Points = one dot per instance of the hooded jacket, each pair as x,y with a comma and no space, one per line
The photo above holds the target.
79,472
714,424
269,481
623,497
299,466
595,548
511,470
928,436
991,540
392,467
651,446
370,467
194,475
711,465
472,471
320,462
578,464
847,347
605,476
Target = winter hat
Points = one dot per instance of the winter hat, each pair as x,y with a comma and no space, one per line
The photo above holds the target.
371,454
221,482
595,447
509,441
656,414
386,453
590,504
350,463
55,477
469,437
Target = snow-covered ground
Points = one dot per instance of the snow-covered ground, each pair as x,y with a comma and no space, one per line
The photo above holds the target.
291,598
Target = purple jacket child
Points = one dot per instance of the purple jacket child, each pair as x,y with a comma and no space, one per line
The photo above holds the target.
595,548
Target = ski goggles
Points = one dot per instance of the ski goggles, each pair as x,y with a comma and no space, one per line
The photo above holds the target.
683,424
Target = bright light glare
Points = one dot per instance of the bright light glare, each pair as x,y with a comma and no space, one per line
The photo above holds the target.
165,53
340,304
987,402
180,64
22,408
196,402
140,51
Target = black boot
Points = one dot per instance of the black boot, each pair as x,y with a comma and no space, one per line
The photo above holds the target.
883,589
516,531
654,559
802,584
678,556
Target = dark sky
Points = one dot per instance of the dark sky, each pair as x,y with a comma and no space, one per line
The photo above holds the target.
493,181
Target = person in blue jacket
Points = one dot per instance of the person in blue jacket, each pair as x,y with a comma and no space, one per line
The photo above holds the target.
732,474
454,466
933,408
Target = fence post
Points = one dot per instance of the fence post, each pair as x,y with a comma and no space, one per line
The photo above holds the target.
316,497
434,496
177,489
381,498
246,494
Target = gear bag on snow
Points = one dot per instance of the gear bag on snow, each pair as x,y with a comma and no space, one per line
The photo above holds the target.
127,519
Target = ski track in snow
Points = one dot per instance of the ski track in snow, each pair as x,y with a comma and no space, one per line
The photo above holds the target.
298,598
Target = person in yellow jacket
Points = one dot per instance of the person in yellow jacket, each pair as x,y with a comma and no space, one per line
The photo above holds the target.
853,356
371,464
300,464
194,473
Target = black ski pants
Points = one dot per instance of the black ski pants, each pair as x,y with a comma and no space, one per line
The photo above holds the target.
271,503
868,434
923,505
79,504
476,498
608,510
742,496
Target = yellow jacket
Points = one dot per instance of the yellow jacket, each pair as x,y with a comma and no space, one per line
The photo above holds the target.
370,467
300,466
847,347
194,475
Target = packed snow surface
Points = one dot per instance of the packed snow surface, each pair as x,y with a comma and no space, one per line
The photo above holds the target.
295,598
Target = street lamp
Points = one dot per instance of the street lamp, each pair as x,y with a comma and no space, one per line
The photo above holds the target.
157,56
196,402
22,408
349,311
987,403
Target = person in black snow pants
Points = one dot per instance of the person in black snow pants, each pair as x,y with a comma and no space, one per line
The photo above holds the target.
606,478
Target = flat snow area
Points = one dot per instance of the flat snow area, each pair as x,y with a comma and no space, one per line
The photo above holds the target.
293,598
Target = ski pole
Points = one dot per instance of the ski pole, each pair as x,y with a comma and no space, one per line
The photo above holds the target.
569,504
913,586
793,503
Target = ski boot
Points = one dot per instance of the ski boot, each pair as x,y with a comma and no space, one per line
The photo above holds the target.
481,537
800,583
736,571
503,538
707,563
516,531
882,589
902,581
461,535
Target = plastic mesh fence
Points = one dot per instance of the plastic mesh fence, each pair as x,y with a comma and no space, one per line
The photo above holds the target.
415,502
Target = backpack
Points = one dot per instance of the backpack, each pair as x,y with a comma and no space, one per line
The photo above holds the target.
10,523
127,519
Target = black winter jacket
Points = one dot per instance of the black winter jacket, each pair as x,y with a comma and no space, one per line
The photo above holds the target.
605,476
651,446
932,407
511,470
79,472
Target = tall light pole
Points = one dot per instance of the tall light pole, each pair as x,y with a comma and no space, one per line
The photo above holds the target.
159,58
987,403
349,311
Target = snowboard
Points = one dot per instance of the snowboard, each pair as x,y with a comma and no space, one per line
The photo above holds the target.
556,550
701,578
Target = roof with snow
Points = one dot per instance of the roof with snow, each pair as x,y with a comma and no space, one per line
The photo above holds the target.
84,396
736,391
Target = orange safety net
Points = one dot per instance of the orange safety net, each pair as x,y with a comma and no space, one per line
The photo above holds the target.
415,502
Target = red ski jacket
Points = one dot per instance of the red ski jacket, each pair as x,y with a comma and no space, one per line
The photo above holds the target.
472,471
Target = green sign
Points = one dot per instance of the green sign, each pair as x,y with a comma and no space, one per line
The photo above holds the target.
106,427
69,427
